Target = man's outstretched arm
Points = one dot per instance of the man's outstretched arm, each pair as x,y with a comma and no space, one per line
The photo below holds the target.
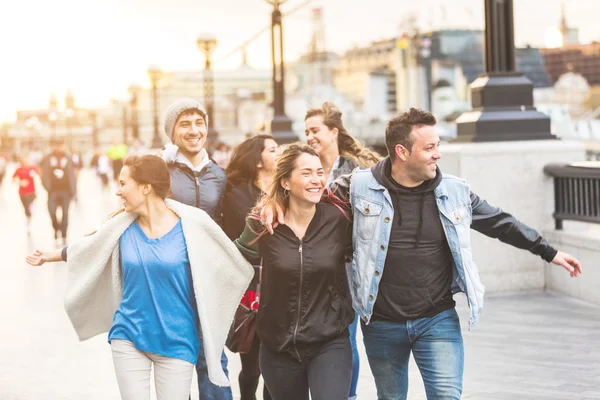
496,223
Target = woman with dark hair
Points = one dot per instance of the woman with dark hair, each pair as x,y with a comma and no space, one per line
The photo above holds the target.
340,153
305,306
136,278
249,175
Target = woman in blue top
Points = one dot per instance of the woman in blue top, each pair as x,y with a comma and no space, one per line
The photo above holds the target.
161,293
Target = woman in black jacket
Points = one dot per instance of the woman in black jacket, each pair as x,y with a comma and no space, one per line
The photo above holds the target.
305,307
340,153
249,174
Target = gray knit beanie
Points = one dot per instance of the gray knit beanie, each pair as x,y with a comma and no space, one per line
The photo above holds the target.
174,111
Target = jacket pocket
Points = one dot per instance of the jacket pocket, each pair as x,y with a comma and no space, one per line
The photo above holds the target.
366,215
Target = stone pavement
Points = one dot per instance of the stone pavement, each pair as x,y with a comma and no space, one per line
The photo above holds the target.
528,345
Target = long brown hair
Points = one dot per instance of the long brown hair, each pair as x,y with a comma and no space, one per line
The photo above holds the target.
348,146
276,194
285,166
151,170
245,159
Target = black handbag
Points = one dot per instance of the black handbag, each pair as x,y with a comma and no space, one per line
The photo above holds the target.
243,329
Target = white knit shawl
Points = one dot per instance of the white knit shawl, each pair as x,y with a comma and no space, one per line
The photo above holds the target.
220,276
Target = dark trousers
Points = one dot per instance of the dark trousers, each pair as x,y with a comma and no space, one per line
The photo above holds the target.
326,375
250,373
117,165
59,199
26,200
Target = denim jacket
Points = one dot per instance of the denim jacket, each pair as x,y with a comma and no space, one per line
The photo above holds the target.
373,214
460,210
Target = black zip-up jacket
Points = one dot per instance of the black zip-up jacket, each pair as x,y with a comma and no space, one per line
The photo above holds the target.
203,190
305,299
238,201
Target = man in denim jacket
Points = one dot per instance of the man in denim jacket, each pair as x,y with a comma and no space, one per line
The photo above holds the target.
412,253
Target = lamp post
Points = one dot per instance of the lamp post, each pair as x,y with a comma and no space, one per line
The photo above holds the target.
155,74
69,114
281,125
94,118
125,123
502,98
53,113
206,44
134,90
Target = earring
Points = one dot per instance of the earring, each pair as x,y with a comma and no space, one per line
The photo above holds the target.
286,193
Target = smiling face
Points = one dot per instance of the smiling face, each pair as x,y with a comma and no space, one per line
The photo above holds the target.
269,156
421,161
189,133
132,194
318,135
307,181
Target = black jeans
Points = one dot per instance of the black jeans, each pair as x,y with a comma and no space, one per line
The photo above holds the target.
327,374
26,200
59,199
250,373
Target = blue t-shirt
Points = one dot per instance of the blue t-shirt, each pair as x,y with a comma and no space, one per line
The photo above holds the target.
158,312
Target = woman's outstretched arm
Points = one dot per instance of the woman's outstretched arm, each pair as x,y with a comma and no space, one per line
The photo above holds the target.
40,257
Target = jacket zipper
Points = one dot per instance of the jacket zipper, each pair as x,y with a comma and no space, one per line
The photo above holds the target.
197,178
299,300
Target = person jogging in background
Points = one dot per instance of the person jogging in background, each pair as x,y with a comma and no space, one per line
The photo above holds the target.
24,176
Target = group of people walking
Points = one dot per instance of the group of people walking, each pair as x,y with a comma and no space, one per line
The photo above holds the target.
334,233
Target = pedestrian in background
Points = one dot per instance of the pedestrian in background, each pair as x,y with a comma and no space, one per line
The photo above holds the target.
117,153
138,279
249,177
222,155
24,176
58,178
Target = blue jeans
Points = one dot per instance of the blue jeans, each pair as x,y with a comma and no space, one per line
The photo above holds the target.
437,347
208,390
355,358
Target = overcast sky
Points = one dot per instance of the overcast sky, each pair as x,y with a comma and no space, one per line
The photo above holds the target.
98,47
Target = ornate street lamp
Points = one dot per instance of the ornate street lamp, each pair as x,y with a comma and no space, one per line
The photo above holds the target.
281,126
502,98
155,73
206,44
134,90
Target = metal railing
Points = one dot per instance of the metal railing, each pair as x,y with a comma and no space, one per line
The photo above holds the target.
576,193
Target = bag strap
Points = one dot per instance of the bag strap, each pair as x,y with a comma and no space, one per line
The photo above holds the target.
257,298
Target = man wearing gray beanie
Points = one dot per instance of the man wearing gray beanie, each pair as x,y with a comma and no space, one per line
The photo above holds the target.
199,182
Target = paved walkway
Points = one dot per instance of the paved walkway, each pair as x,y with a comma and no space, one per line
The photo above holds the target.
527,345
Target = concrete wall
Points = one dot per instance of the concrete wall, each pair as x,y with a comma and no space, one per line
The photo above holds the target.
510,175
583,242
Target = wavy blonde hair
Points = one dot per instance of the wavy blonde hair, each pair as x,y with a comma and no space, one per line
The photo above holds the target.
348,146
